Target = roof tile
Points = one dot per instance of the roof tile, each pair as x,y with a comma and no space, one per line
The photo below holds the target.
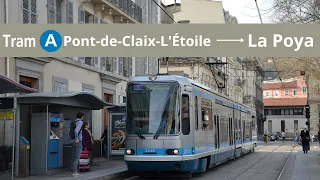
285,101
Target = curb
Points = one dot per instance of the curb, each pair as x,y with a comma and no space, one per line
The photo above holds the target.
116,176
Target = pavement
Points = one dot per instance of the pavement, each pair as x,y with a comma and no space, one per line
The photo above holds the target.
102,168
306,166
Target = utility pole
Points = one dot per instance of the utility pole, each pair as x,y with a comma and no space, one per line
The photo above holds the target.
307,107
308,101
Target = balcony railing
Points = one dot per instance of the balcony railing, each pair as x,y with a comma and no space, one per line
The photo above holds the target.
129,7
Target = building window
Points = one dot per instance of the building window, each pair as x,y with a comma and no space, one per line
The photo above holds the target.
283,126
122,99
108,98
28,81
267,93
276,93
286,93
69,14
60,87
296,125
270,126
276,111
297,111
29,9
287,112
294,92
304,90
54,11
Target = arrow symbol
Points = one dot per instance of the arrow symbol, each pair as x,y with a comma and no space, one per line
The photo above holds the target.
230,40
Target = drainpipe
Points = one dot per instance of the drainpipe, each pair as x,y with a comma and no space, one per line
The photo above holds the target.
6,10
15,151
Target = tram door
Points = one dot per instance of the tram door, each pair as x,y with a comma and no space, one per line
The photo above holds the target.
217,131
186,127
240,131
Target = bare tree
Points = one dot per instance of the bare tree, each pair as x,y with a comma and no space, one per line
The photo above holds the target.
296,11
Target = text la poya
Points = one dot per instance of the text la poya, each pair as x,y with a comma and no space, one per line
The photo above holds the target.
295,42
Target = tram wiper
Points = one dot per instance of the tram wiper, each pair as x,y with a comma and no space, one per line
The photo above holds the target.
138,134
162,125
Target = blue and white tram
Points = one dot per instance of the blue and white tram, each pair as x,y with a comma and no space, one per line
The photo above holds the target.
176,124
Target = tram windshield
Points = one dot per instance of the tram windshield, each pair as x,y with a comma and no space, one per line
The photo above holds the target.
153,108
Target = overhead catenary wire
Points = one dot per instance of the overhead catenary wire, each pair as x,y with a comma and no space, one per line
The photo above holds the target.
164,11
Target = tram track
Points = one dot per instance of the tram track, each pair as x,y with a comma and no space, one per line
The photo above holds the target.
262,158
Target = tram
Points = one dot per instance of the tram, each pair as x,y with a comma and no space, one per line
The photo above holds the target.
176,124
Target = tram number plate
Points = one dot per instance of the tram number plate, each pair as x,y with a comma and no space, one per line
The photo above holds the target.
150,150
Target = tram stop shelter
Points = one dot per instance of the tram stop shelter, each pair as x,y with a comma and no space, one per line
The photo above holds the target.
45,120
7,120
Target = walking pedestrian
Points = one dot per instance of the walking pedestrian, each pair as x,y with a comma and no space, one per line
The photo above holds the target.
87,140
305,140
75,133
104,139
283,136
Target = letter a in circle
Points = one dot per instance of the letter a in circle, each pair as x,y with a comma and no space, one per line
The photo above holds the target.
51,40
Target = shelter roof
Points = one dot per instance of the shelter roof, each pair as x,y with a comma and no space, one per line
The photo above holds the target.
81,99
8,85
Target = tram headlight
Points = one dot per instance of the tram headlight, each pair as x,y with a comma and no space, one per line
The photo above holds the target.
130,152
176,151
172,151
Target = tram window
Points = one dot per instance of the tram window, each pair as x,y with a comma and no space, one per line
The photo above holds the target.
196,112
185,115
206,114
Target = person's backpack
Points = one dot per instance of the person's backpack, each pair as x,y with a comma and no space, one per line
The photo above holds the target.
72,129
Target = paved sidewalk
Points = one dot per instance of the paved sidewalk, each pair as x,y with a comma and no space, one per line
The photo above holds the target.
101,169
307,166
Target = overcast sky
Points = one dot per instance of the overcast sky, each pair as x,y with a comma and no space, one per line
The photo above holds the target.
244,10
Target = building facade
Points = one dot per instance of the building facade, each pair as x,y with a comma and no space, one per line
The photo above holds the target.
284,104
253,76
105,77
211,12
284,115
290,88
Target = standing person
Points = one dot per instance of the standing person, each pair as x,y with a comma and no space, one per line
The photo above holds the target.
305,139
283,136
104,139
87,140
75,133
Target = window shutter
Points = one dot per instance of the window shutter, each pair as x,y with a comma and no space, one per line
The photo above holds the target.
81,17
51,8
69,14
